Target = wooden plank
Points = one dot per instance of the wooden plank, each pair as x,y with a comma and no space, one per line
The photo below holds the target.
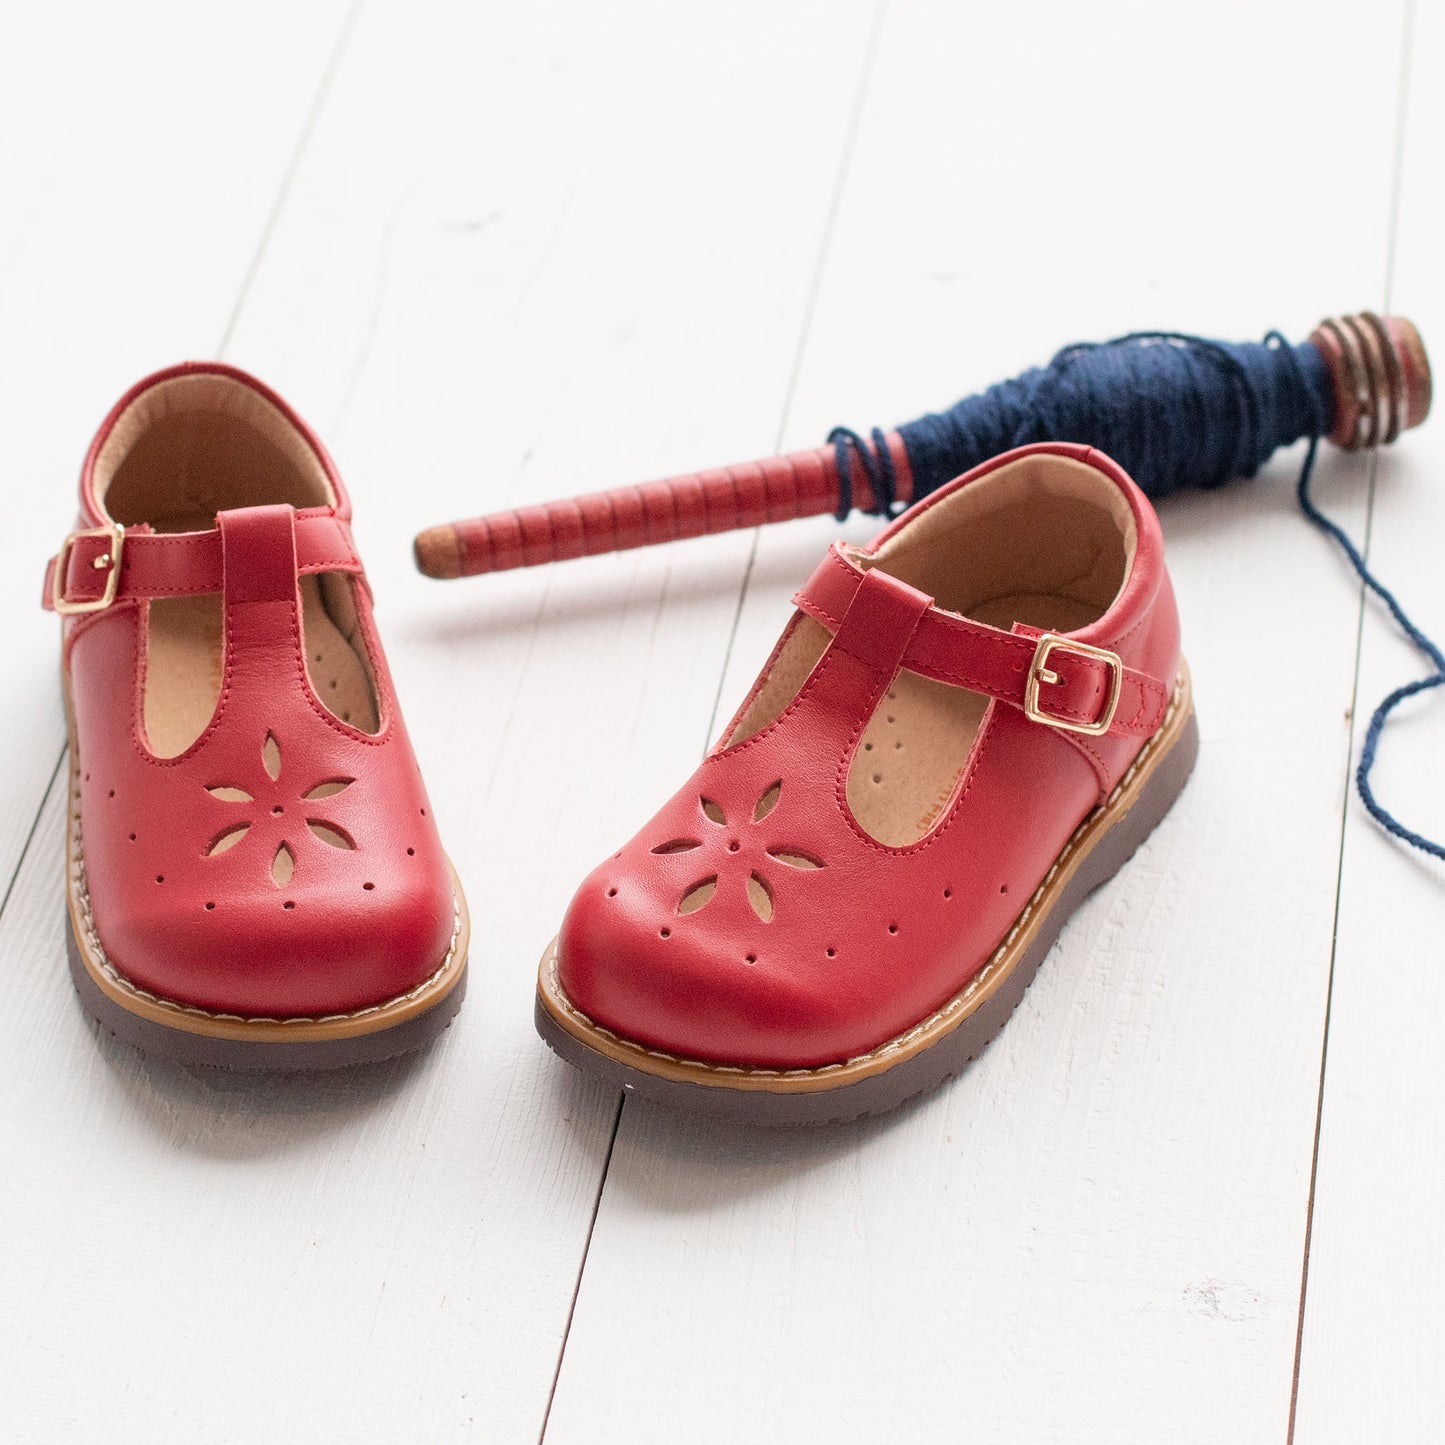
1096,1233
137,186
523,253
1374,1324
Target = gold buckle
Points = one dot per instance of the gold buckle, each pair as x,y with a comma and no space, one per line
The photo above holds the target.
108,560
1039,673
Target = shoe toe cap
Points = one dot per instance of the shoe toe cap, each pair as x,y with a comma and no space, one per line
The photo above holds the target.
328,948
717,985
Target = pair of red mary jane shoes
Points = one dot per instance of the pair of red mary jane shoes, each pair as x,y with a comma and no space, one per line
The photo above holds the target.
964,728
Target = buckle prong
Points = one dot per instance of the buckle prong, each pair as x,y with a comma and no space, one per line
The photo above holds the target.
109,562
1042,675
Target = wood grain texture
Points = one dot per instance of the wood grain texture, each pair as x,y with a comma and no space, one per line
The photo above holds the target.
1374,1333
1096,1233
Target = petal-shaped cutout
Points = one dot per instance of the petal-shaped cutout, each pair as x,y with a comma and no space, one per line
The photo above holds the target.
761,897
329,834
768,801
794,859
228,794
228,839
283,865
329,789
271,757
678,845
714,811
697,895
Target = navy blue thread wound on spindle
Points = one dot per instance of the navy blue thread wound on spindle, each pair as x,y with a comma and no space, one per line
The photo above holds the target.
1175,411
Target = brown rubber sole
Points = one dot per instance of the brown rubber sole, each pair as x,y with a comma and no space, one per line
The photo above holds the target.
174,1030
937,1047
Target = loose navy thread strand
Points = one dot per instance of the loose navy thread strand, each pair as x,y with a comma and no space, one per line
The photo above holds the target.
1386,819
1175,411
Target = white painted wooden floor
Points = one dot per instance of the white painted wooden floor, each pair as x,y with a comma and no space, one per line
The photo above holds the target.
502,252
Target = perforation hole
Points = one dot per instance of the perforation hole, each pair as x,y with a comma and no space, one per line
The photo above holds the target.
329,789
751,958
664,933
893,928
794,859
210,908
328,833
283,866
761,897
411,852
288,905
697,895
368,886
831,952
227,839
768,801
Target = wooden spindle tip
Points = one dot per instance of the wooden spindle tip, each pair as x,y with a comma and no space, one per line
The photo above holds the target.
438,551
1381,376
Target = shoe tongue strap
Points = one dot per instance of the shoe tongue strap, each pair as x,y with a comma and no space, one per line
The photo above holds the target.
1056,681
258,554
880,621
186,564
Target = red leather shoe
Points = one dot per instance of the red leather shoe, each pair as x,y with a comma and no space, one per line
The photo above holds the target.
965,728
255,878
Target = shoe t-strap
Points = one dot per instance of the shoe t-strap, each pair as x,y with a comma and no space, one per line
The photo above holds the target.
1056,680
99,567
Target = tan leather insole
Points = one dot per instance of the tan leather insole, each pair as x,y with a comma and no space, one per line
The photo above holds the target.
186,660
919,738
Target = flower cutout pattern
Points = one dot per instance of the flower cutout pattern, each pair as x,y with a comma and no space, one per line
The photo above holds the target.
274,804
734,853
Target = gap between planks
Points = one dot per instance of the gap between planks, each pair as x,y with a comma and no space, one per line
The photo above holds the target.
1397,179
